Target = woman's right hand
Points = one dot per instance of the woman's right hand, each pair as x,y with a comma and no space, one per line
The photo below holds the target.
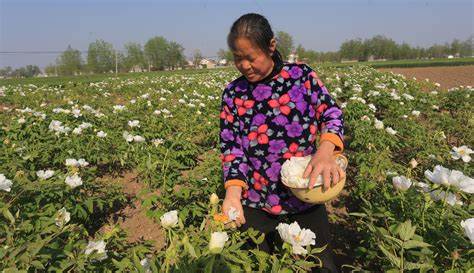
232,199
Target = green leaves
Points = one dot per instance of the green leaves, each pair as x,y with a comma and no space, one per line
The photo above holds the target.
405,230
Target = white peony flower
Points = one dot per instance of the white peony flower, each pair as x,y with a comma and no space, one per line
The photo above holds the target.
82,162
372,107
134,123
390,131
118,108
101,134
77,131
378,124
76,113
73,181
415,113
408,96
293,169
217,242
468,226
298,238
292,172
127,136
138,138
169,219
462,152
447,177
99,247
158,141
233,214
43,175
401,183
145,263
423,186
5,184
72,162
451,198
62,217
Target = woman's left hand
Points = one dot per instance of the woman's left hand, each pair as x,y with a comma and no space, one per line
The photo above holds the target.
323,162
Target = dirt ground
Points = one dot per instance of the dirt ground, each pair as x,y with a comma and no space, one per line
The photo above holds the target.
446,76
133,217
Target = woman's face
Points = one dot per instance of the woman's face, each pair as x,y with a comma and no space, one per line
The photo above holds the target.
251,61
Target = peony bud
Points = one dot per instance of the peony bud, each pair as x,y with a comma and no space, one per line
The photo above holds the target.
217,242
214,199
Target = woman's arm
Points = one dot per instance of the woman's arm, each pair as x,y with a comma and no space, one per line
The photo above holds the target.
330,124
232,155
328,114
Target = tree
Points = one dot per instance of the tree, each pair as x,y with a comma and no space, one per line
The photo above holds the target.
156,52
69,62
134,56
197,57
352,50
51,69
466,47
101,57
225,55
175,55
284,43
6,72
32,71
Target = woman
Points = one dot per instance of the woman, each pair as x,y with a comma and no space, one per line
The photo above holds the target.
270,113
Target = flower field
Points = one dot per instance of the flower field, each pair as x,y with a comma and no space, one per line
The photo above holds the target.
64,142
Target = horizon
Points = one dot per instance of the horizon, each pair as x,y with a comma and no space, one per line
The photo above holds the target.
52,25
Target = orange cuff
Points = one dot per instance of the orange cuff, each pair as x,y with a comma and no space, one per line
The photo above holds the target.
235,182
334,139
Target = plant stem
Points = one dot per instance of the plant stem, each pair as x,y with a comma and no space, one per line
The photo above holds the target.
163,169
444,206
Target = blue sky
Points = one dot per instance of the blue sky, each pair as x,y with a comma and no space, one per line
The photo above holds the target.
52,25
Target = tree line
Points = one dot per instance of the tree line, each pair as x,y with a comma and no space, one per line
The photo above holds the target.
377,47
158,54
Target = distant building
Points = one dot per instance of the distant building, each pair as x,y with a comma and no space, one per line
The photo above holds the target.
293,57
222,62
207,63
136,68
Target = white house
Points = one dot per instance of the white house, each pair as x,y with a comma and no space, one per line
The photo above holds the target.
293,57
222,62
207,63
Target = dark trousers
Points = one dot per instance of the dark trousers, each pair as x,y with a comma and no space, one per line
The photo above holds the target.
314,218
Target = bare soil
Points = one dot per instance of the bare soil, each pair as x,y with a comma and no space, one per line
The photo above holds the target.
446,76
132,219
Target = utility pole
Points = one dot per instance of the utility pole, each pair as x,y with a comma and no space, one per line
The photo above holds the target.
116,63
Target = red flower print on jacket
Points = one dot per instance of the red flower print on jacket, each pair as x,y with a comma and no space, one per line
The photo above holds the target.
227,115
226,158
243,105
292,151
321,108
259,181
281,103
260,134
284,74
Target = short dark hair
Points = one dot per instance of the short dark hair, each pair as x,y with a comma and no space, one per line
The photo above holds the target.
254,27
